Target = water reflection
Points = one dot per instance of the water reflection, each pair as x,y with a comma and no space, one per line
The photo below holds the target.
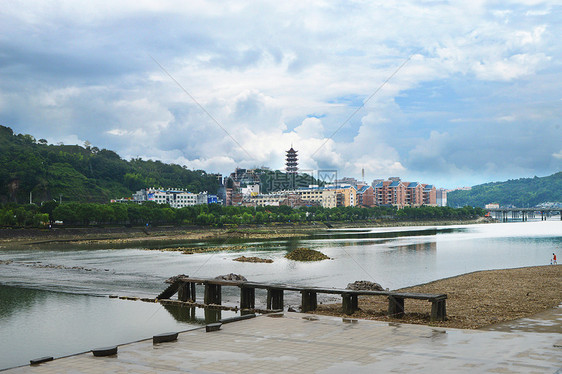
36,323
429,247
18,300
189,314
352,234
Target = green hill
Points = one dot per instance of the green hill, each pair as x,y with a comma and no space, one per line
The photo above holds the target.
83,174
524,192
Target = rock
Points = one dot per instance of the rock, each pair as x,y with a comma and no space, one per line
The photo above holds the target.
173,279
364,285
306,254
232,277
253,259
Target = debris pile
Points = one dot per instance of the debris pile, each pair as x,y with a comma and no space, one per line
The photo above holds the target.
306,254
253,259
232,277
364,285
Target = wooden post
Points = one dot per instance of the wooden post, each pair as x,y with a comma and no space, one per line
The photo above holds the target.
247,297
193,293
349,303
275,298
212,315
309,301
438,310
184,291
395,306
212,294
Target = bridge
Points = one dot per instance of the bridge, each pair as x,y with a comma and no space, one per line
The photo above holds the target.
184,286
524,213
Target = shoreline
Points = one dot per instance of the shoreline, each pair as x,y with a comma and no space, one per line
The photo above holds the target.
476,300
122,235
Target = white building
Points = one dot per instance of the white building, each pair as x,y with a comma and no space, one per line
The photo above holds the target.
251,190
441,197
176,198
327,198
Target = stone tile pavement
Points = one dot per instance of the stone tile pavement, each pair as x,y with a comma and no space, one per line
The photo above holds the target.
320,344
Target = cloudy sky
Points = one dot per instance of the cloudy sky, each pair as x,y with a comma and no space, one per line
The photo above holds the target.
450,93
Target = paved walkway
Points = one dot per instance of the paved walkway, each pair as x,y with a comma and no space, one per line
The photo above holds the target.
319,344
547,321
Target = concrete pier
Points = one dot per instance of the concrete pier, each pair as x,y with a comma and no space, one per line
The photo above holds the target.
318,344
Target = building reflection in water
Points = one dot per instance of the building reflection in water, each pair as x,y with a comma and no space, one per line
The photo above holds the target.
419,247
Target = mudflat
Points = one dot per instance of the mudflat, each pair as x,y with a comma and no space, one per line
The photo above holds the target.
122,235
475,300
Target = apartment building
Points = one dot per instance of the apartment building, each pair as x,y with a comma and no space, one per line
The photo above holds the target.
390,193
399,193
429,195
366,196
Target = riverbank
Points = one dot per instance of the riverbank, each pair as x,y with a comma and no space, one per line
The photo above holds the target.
169,234
475,300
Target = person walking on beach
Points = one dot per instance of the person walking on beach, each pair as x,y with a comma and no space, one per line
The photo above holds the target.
553,262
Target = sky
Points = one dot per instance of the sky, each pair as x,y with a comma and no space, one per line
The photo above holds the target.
450,93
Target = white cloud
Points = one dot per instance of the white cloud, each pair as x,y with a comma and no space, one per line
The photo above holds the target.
277,73
310,128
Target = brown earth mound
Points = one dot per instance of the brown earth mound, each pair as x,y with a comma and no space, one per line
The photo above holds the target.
306,254
253,259
476,299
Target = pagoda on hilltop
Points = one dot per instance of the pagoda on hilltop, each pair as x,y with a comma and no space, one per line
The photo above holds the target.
292,164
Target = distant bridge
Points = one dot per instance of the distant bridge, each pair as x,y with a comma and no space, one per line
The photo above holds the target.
524,213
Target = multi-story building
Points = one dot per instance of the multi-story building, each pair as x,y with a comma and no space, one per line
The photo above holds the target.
320,196
348,195
429,195
414,193
366,196
176,198
270,199
324,197
390,193
441,197
399,193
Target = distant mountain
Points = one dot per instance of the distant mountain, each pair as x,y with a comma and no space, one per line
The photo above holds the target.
84,174
524,192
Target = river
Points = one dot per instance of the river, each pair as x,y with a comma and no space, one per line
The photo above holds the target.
54,300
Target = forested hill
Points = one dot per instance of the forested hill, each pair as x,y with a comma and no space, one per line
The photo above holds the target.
84,174
524,192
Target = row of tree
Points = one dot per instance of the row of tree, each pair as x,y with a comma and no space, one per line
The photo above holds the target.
84,214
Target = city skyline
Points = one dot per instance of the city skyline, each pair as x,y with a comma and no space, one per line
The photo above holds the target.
453,94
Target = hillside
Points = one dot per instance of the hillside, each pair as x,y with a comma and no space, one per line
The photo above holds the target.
524,192
82,174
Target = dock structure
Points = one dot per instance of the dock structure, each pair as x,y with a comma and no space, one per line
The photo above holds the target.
185,287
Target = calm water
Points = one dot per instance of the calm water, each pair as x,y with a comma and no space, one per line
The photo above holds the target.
51,304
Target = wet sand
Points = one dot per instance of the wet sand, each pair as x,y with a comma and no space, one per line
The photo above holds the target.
480,299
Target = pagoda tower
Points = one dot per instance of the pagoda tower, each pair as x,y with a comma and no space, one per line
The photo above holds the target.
292,164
